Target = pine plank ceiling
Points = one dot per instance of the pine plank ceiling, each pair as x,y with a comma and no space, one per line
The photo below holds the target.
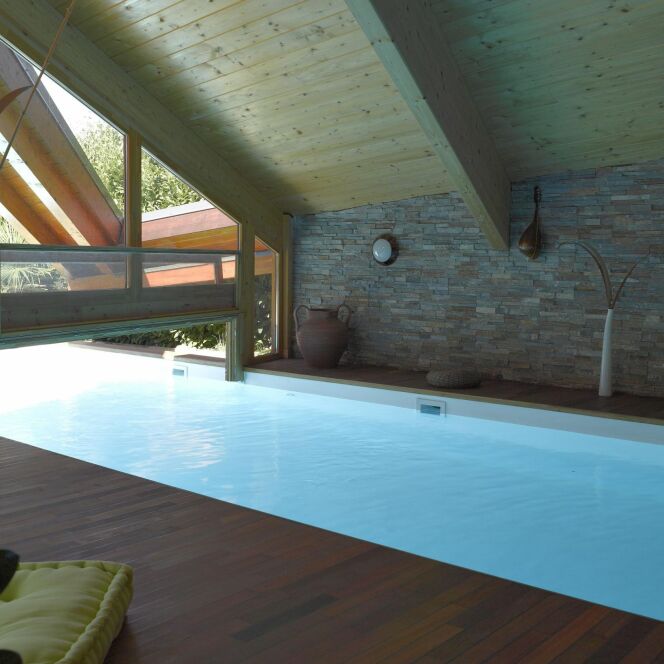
293,94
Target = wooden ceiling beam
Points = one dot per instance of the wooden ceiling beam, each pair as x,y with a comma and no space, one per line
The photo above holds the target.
90,74
408,38
48,147
29,211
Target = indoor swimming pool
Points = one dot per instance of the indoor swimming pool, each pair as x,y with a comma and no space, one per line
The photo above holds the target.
568,512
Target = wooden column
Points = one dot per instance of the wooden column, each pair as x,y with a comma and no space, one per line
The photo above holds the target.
133,205
246,297
286,288
133,209
275,297
234,368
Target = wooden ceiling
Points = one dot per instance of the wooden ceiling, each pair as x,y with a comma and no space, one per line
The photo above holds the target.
293,94
563,85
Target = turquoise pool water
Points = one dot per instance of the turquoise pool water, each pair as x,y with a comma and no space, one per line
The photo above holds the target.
572,513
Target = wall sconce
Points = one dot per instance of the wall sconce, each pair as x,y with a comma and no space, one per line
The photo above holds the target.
385,249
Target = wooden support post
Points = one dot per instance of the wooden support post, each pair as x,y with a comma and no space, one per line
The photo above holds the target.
407,37
275,270
246,295
29,211
234,368
133,204
286,288
133,209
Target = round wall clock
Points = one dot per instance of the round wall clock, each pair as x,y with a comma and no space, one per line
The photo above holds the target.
385,249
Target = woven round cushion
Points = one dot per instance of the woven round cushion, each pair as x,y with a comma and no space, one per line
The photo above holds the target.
453,378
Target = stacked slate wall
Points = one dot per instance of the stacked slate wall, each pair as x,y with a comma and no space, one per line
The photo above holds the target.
450,300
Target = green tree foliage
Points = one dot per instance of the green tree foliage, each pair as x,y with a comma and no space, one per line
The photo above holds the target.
161,338
160,188
263,313
104,147
210,336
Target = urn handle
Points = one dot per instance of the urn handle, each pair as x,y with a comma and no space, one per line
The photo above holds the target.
295,315
348,314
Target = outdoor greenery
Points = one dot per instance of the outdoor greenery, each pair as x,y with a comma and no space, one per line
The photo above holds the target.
15,278
160,189
104,147
263,314
211,336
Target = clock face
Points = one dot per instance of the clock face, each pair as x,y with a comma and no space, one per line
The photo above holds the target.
382,250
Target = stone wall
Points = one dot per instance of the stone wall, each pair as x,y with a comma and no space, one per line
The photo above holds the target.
450,300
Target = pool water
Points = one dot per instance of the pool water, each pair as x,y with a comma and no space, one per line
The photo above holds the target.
572,513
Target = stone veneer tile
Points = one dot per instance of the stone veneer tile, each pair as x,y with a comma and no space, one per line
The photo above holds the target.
450,300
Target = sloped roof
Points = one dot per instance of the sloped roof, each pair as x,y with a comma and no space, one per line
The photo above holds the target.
293,94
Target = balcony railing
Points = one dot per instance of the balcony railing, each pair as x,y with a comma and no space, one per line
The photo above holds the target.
84,290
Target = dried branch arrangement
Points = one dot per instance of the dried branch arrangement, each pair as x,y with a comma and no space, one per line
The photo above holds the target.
14,94
606,374
611,297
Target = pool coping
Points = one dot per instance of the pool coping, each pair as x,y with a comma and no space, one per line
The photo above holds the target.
465,396
450,403
567,418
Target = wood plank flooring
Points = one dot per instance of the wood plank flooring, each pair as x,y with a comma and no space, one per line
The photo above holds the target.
216,583
624,406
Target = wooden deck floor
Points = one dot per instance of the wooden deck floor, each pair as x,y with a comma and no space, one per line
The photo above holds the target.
216,583
557,398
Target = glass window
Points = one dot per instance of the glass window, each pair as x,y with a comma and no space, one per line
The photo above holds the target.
265,293
176,216
63,183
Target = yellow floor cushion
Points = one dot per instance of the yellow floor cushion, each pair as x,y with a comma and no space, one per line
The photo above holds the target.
64,612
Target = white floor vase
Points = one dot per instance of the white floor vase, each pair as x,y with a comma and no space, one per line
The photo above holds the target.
605,377
605,374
